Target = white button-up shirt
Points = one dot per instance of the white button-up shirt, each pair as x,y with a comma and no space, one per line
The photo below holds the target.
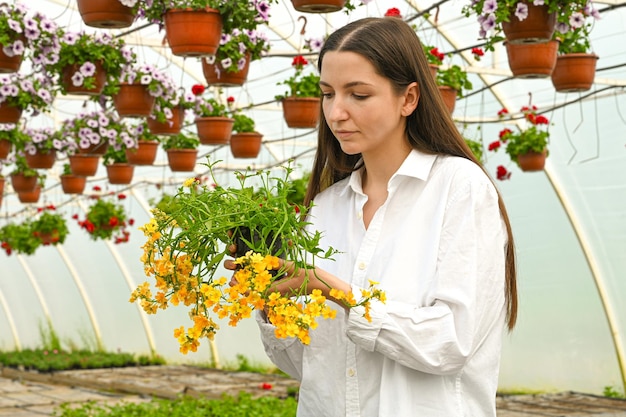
437,248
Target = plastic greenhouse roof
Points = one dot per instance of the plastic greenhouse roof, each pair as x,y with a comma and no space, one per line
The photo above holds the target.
569,220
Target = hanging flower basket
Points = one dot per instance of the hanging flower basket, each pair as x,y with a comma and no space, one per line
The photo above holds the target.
245,144
144,154
448,94
215,75
537,27
10,63
301,112
41,159
133,100
532,161
169,127
84,164
9,114
5,148
182,160
214,130
318,6
68,84
193,33
574,72
31,196
120,173
23,183
73,184
532,60
106,14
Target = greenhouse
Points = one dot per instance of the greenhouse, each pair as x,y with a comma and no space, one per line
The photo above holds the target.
568,216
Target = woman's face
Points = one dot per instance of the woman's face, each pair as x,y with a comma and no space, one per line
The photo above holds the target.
360,106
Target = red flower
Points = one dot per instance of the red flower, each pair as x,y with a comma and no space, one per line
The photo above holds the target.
504,133
493,146
503,113
197,89
477,52
502,174
113,221
39,209
75,216
393,12
299,61
121,196
131,221
435,52
97,188
266,386
541,120
230,99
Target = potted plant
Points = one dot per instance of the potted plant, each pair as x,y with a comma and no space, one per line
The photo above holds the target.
41,146
212,120
434,58
70,183
108,14
135,91
245,142
19,92
23,177
19,237
185,247
10,137
452,81
119,171
170,105
146,145
528,147
182,151
89,132
12,39
301,102
50,228
476,147
106,219
86,60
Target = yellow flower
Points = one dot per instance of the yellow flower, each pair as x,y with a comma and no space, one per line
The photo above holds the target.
189,182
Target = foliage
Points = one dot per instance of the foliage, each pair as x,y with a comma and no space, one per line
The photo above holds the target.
454,77
32,92
168,96
52,224
238,47
575,41
300,84
181,141
209,107
19,237
48,360
297,189
106,219
491,14
476,147
21,166
43,139
185,247
13,134
243,123
114,156
227,406
612,392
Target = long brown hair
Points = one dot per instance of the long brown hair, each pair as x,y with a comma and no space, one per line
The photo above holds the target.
396,53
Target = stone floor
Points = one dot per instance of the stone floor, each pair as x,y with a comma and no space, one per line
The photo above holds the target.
30,394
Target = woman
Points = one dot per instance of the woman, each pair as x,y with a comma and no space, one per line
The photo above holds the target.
397,191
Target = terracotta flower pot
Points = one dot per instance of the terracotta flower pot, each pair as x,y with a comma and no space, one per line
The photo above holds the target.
70,88
537,27
433,70
301,112
318,6
214,130
120,173
105,14
83,164
5,148
40,160
9,64
22,183
245,144
169,127
182,160
133,100
532,60
31,196
193,33
144,154
574,72
448,94
73,184
215,75
532,161
9,114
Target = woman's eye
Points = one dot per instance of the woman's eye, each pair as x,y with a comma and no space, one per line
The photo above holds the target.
327,95
360,96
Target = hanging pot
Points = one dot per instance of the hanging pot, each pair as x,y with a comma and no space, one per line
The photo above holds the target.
448,94
10,64
105,14
23,183
433,70
182,160
9,113
144,154
73,184
170,127
215,75
532,161
41,160
31,196
532,60
5,148
245,144
193,33
574,72
83,164
301,112
214,130
69,87
133,100
318,6
120,173
536,28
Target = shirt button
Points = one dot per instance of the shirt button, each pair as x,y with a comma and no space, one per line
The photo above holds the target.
362,265
360,215
351,372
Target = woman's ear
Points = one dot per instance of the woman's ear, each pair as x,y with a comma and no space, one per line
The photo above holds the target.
411,98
